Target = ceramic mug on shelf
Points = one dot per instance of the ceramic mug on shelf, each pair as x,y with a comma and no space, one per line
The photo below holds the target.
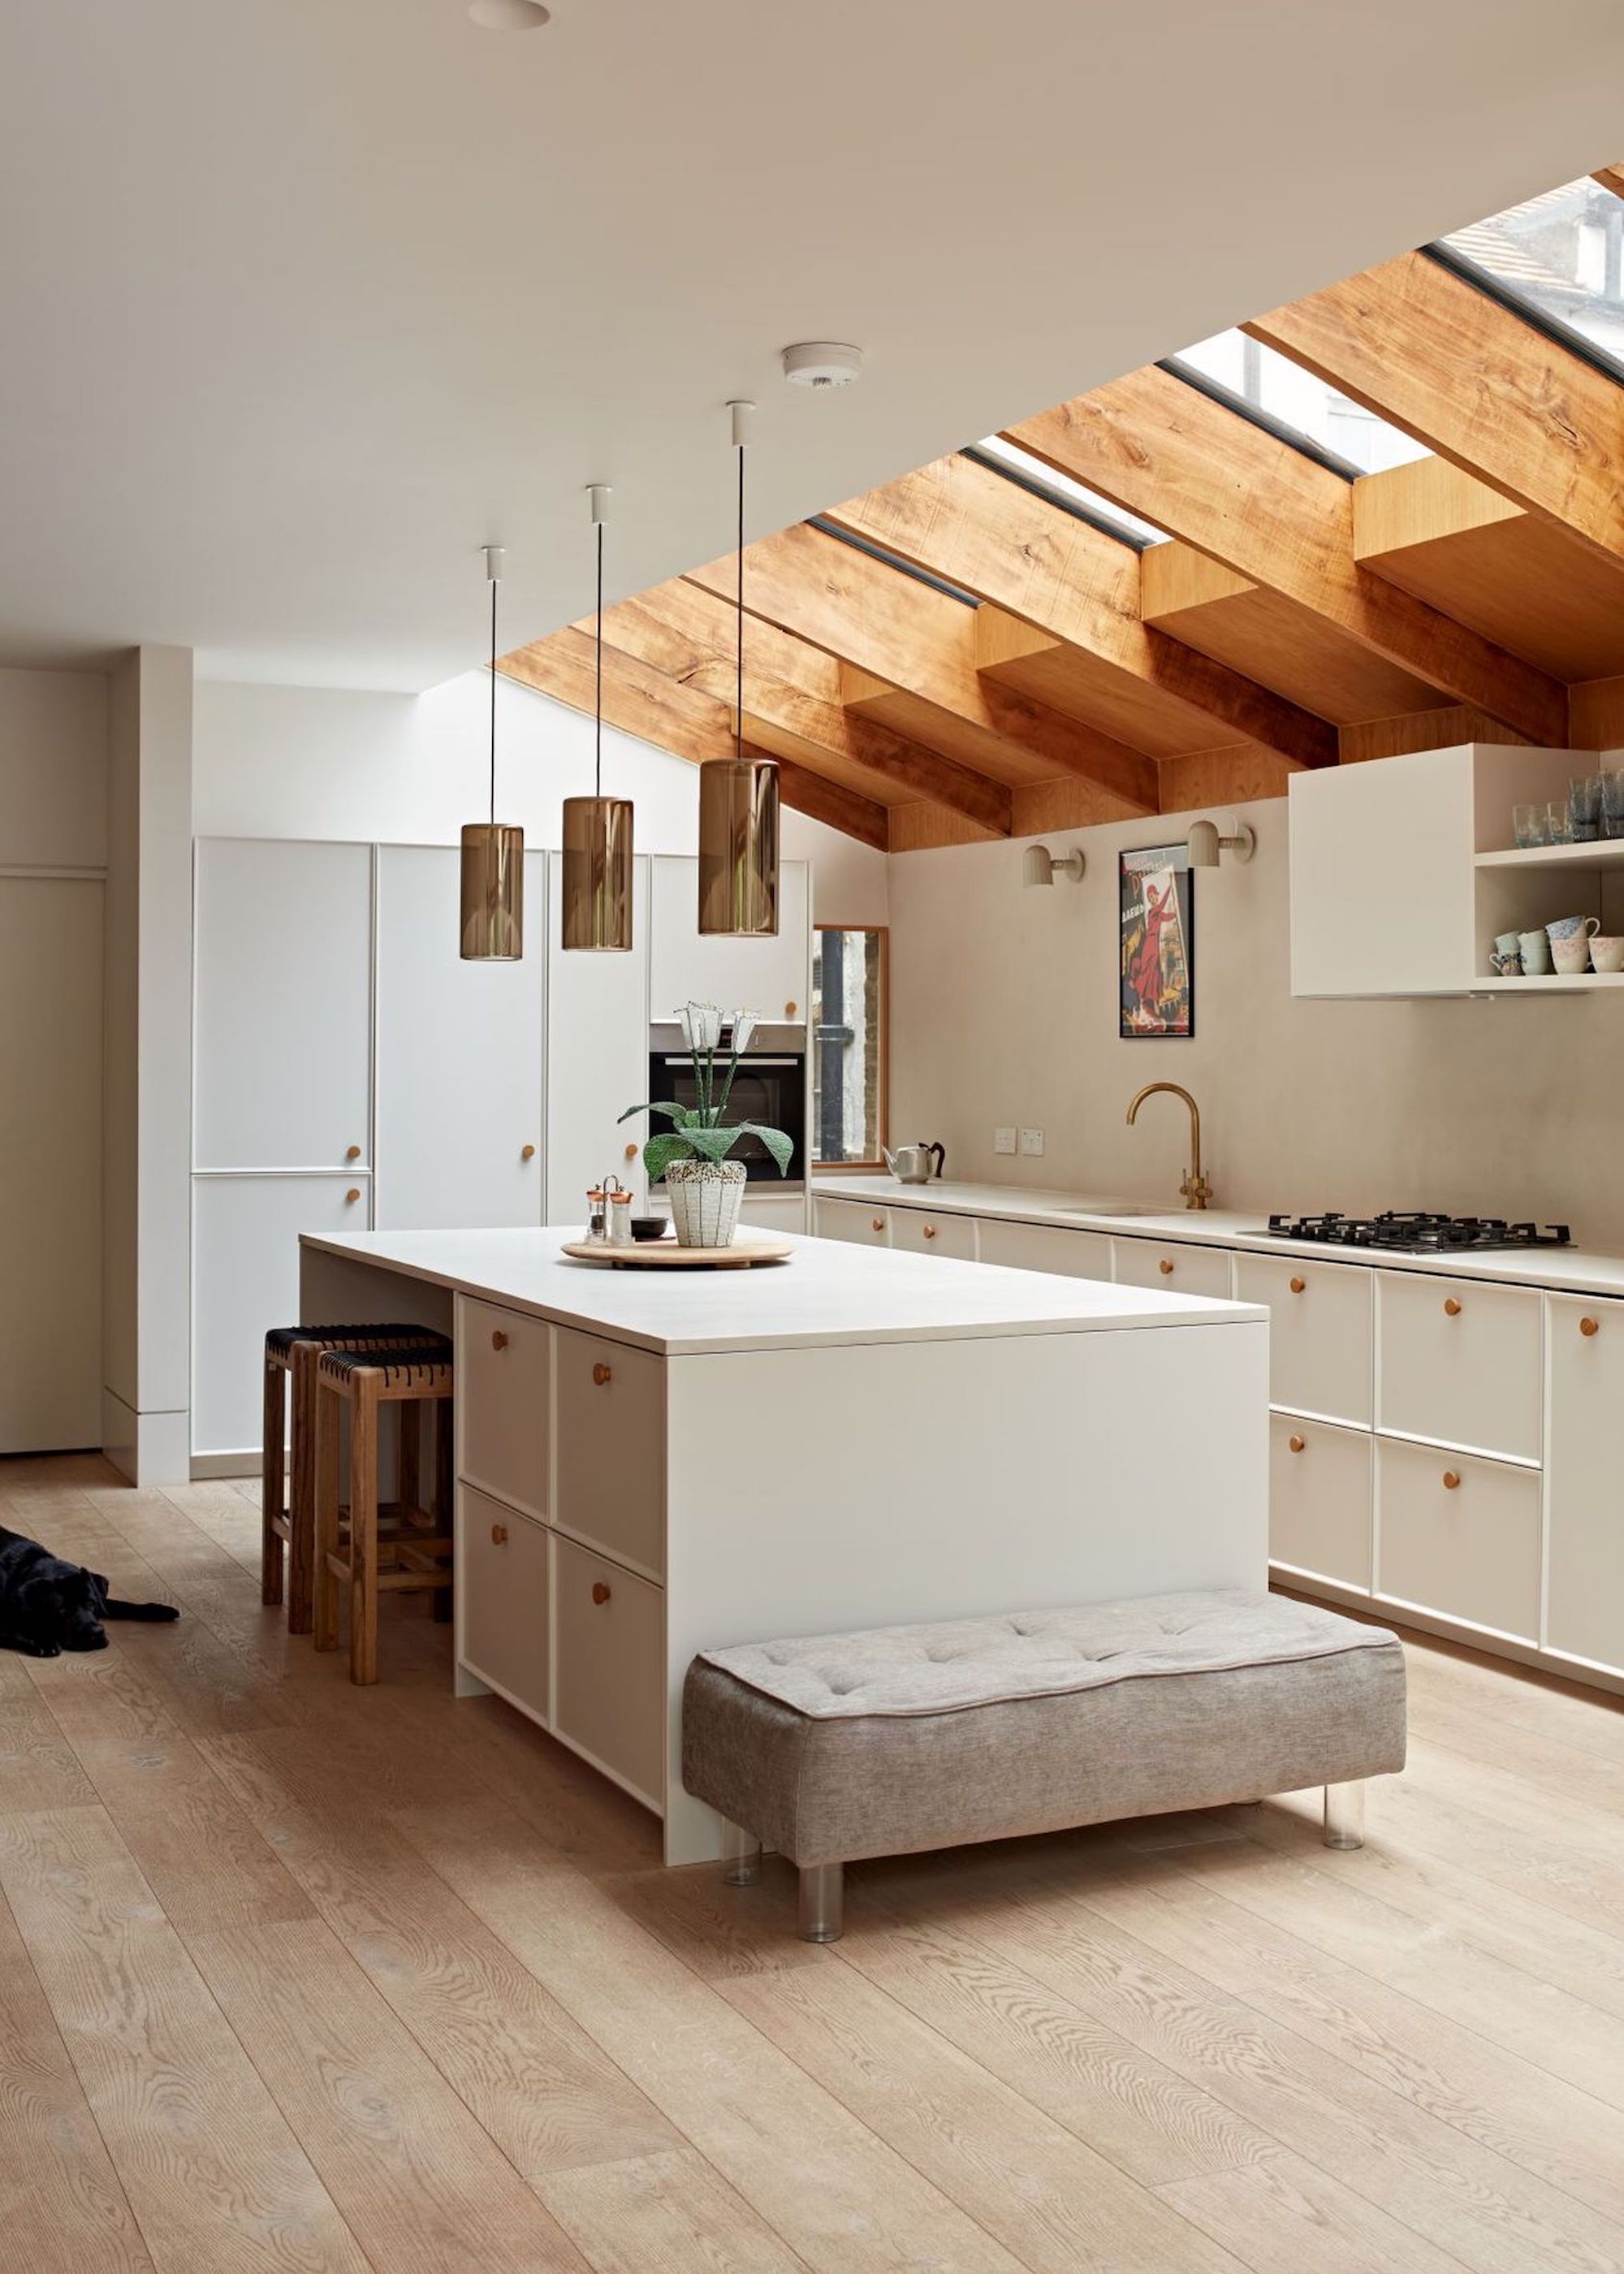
1508,966
1571,955
1508,943
1535,950
1608,952
1571,927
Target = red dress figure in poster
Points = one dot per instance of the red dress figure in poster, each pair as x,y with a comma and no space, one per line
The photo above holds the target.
1144,973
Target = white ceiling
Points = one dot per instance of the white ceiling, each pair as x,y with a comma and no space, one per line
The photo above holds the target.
301,301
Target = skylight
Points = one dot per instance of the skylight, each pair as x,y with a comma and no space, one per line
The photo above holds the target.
1272,391
877,551
1076,497
1559,260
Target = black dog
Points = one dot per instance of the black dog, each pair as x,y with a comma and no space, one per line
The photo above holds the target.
48,1606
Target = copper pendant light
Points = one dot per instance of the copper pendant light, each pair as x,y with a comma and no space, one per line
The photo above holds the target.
493,908
739,800
597,830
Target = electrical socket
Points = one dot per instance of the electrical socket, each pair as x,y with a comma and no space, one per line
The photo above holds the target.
1032,1143
1004,1141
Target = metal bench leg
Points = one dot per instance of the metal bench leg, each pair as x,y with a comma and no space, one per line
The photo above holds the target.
742,1854
1344,1815
821,1906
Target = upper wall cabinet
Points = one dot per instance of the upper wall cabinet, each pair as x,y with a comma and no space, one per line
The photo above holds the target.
460,1113
283,963
771,976
1403,872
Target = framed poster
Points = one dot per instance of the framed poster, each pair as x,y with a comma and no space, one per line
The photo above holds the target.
1156,947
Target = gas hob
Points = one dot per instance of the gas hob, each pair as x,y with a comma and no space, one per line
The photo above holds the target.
1418,1232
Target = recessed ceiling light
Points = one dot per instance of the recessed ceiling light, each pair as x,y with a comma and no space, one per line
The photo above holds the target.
509,15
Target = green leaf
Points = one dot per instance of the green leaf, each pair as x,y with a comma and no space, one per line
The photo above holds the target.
680,1114
659,1152
781,1148
712,1144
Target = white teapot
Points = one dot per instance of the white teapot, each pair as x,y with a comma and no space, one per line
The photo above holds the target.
915,1164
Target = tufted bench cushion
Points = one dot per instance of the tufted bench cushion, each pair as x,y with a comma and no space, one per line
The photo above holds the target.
833,1747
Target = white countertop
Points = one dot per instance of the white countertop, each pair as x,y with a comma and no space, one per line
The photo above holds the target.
1584,1272
828,1292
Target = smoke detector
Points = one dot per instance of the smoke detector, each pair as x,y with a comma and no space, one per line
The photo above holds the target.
822,363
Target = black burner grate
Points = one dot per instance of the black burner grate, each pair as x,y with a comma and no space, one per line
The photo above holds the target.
1418,1232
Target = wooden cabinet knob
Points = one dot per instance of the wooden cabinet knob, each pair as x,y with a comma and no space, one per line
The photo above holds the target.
601,1373
931,1231
879,1223
499,1340
1452,1480
1166,1266
353,1153
631,1150
1297,1444
527,1152
1590,1326
601,1591
790,1010
1298,1286
498,1535
1452,1309
353,1194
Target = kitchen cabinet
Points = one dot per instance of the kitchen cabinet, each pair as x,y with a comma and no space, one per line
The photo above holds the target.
1321,1333
1040,1247
503,1591
244,1280
1459,1535
1176,1267
862,1222
598,1059
771,976
927,1231
283,1005
460,1114
609,1698
1320,1500
1584,1478
504,1403
769,1209
1459,1363
611,1488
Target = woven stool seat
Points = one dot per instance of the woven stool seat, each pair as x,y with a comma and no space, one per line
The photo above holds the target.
280,1340
404,1373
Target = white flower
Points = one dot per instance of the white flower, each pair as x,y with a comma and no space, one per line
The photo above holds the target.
702,1023
744,1026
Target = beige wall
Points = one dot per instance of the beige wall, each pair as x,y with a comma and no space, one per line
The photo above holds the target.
1004,1011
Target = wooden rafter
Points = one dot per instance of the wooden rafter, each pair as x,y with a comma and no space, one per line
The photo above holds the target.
831,802
1273,515
1610,177
1424,348
1074,584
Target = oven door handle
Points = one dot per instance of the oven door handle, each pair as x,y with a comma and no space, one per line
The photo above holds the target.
744,1062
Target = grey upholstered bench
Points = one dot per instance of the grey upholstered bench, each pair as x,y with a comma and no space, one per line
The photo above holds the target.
829,1747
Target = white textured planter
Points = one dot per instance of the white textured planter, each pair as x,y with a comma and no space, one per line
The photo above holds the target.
704,1202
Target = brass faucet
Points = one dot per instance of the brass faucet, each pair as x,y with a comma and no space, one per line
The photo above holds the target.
1195,1188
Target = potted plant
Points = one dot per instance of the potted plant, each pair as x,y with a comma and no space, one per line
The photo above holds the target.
706,1187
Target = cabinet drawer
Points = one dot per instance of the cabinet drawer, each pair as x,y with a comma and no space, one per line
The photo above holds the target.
1459,1362
1585,1474
609,1644
1041,1247
923,1233
1469,1550
859,1221
504,1403
1172,1265
611,1485
1320,1333
1320,1499
503,1623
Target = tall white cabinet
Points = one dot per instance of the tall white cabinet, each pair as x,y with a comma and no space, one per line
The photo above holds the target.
771,976
597,1054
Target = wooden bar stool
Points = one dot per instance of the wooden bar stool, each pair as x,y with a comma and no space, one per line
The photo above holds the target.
287,1485
415,1551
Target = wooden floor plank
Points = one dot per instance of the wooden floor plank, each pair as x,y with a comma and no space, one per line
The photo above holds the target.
1284,2215
667,2214
38,1767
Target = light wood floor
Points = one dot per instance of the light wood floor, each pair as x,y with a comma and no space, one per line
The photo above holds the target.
294,1976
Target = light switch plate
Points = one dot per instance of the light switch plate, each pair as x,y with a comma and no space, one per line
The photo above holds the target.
1031,1142
1004,1141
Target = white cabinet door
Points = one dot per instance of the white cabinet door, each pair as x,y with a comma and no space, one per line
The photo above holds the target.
50,1164
773,1211
1320,1499
597,1059
459,1054
1584,1478
282,954
1458,1535
609,1656
925,1232
865,1222
504,1620
1459,1362
245,1279
1321,1332
769,976
1041,1247
1177,1267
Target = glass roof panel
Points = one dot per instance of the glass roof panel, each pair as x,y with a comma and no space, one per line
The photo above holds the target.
1268,387
1077,497
1560,260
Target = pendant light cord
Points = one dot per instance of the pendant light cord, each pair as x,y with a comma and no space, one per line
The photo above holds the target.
739,710
597,745
494,581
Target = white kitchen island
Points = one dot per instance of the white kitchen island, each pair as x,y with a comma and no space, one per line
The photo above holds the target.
653,1463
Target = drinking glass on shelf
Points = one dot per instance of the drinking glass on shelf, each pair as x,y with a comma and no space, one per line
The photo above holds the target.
1584,808
1612,805
1533,828
1559,821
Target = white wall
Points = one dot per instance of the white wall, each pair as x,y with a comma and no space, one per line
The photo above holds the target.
311,762
53,769
1004,1011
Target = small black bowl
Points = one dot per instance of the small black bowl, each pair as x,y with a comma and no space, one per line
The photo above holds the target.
650,1227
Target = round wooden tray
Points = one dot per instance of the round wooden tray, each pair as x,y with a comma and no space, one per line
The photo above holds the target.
646,1254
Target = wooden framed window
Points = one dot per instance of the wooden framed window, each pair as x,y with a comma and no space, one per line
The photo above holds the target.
849,1043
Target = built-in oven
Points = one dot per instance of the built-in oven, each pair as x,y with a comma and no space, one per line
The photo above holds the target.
771,1087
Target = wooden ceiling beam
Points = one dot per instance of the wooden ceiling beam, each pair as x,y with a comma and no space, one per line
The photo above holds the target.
790,689
1428,351
1270,513
1610,177
921,643
834,804
1073,585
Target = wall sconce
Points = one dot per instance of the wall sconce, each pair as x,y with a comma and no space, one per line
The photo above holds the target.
1041,866
1206,845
